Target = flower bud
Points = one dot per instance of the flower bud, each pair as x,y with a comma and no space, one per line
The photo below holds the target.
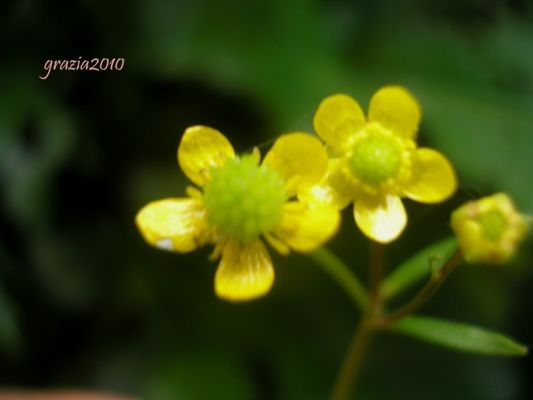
489,229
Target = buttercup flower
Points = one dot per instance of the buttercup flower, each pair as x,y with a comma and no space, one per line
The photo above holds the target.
375,161
242,203
489,229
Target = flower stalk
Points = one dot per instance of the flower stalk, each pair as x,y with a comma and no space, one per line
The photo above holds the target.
373,319
351,367
354,359
376,274
427,292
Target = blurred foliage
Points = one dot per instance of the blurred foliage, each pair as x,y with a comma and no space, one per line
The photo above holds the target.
84,302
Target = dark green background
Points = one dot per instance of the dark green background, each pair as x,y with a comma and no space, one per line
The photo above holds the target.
84,302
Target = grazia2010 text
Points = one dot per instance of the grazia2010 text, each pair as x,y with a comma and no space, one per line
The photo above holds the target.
94,64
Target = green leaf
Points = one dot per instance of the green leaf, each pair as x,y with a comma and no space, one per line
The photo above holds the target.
458,336
422,264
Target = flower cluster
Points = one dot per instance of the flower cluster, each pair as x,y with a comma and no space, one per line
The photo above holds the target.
293,197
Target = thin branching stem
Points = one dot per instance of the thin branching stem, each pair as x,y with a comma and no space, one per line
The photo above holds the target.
354,357
437,279
353,360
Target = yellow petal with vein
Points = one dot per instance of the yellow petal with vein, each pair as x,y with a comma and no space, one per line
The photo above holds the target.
245,271
382,219
299,158
396,109
335,189
201,149
433,178
337,119
173,224
306,227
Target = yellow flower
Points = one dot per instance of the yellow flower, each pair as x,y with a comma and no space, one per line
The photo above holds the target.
489,229
375,161
242,202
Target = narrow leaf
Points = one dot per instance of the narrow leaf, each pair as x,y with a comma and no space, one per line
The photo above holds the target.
432,257
458,336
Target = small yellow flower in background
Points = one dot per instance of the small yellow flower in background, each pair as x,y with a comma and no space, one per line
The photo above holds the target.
242,202
489,229
375,161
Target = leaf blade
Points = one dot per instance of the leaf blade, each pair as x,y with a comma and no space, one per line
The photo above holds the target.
459,336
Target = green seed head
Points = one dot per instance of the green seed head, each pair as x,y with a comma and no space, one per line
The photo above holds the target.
244,200
376,158
492,224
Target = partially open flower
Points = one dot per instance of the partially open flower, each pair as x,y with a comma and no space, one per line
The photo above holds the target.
242,203
374,162
489,229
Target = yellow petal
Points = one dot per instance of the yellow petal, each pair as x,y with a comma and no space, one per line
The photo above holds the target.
281,247
245,271
337,119
395,109
335,189
173,224
306,227
299,158
433,179
381,219
201,149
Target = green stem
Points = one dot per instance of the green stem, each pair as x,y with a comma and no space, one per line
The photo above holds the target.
364,332
372,319
342,274
437,279
353,361
376,274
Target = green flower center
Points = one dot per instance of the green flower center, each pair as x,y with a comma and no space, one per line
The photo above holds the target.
492,224
376,158
244,200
